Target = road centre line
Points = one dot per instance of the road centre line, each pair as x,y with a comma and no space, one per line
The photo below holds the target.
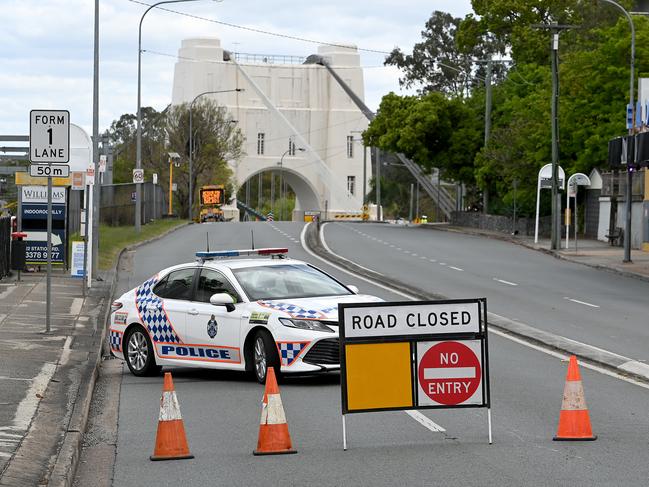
455,268
425,421
509,283
495,331
581,302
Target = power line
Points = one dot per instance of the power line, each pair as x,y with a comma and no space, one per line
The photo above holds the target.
259,31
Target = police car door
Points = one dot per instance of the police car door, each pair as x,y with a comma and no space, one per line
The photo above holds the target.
167,316
212,330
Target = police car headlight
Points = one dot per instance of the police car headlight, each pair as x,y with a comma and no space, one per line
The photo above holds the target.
312,325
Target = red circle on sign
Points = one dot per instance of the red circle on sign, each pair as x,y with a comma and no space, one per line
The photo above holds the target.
449,373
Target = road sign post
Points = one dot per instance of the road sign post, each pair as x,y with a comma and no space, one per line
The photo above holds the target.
414,355
49,142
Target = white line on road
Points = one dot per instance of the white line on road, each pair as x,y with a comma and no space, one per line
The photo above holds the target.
27,407
4,377
75,307
581,302
509,283
425,421
455,268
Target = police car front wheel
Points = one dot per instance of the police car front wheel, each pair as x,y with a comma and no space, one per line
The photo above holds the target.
139,353
264,355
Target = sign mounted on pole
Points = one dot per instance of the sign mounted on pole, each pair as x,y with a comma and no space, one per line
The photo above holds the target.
49,136
414,355
50,170
138,176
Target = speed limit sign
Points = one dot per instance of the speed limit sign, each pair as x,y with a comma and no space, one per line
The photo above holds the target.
138,175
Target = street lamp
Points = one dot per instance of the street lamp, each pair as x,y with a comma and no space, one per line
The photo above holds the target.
629,173
191,144
138,150
282,191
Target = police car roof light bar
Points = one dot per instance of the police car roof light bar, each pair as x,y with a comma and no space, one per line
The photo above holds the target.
279,252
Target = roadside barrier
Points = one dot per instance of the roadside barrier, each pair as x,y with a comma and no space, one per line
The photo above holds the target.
170,442
574,420
274,438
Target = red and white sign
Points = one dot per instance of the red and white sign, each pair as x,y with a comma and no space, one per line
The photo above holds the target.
90,174
449,373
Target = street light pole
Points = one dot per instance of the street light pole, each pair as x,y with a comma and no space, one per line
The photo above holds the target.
138,147
191,145
629,173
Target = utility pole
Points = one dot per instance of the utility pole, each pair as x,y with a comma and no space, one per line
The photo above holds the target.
487,130
95,148
555,237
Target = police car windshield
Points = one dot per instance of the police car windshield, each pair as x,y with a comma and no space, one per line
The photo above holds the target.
287,281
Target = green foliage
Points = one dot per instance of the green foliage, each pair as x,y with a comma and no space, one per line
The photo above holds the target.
438,128
216,141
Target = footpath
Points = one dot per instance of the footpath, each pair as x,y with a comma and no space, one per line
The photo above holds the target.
46,379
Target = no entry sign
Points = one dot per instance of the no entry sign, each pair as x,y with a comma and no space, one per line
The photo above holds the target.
449,373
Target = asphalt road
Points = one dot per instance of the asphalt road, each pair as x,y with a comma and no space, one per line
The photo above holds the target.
599,308
221,410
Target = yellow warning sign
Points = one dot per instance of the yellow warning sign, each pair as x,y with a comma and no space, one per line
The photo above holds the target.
26,179
374,382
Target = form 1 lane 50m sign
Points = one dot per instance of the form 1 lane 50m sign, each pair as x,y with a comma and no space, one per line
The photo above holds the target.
414,355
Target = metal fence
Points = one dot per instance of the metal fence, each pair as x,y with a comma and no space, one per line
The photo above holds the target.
118,203
5,245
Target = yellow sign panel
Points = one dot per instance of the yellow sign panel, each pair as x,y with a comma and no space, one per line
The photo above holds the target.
26,179
378,376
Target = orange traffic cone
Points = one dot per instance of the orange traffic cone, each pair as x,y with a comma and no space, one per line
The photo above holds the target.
274,438
574,421
170,441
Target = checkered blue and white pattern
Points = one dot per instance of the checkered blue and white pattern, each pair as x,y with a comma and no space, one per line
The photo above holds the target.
116,340
149,307
293,310
289,351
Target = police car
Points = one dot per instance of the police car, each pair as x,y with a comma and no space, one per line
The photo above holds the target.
245,314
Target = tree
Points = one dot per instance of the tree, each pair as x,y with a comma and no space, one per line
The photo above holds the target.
440,63
432,130
216,141
122,134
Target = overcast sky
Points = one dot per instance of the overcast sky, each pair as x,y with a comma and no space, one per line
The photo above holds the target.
46,47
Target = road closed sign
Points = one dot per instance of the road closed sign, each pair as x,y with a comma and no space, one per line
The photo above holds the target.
449,373
414,355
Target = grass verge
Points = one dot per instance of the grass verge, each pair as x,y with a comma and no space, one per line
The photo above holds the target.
113,239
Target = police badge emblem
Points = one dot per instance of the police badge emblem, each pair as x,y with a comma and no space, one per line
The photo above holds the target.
212,327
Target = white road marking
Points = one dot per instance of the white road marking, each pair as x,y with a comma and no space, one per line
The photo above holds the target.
442,263
65,355
505,282
5,455
455,268
4,377
75,307
432,260
8,291
425,421
581,302
27,407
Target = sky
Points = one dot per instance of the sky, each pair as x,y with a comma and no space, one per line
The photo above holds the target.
46,47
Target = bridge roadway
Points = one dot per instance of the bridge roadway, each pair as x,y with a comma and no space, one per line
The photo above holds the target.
221,409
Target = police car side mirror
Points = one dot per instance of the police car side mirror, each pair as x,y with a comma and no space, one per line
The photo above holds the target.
223,299
353,288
